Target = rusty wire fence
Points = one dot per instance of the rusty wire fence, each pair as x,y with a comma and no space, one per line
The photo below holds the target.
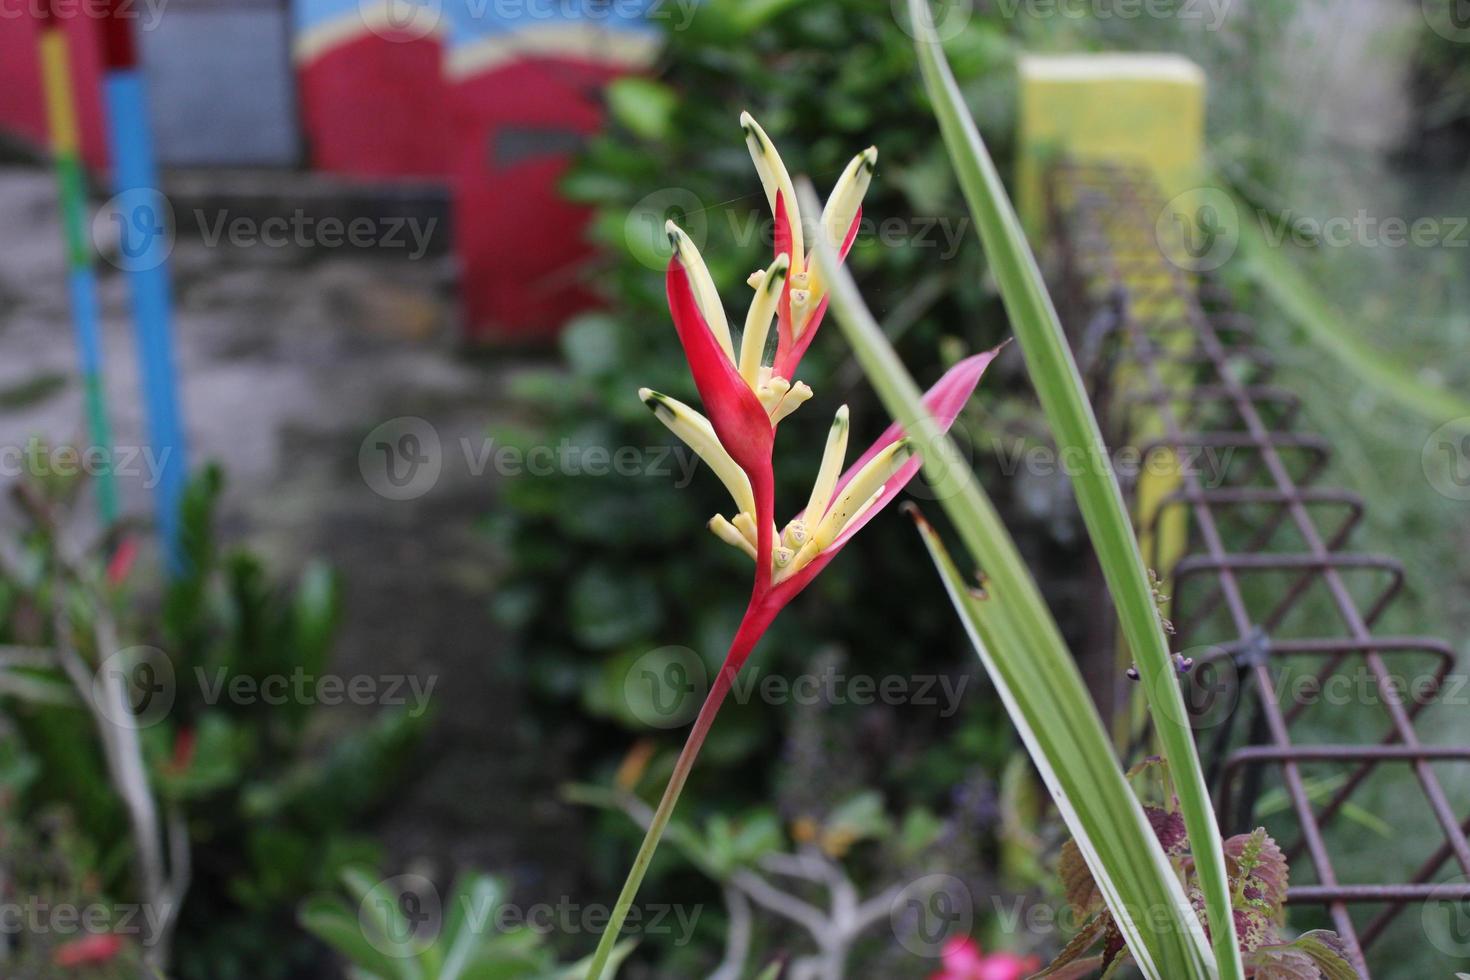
1264,593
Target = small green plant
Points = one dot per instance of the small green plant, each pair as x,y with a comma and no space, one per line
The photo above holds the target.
210,808
385,934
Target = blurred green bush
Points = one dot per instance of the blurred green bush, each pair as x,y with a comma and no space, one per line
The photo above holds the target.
270,815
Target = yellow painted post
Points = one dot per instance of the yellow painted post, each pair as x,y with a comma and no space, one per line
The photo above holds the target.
1135,110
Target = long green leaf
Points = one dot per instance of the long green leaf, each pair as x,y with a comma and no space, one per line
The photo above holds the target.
1023,651
1064,400
1272,270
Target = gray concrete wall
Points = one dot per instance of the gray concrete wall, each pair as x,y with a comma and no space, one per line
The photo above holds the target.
221,84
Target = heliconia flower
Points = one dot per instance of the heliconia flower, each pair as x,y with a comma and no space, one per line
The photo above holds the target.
747,391
748,386
805,301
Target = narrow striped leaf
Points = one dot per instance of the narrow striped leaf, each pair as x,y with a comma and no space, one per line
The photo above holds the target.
1064,400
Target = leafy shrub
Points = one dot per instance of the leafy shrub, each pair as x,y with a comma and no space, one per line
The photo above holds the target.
268,818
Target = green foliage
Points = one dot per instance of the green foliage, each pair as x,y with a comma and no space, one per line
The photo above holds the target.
384,941
270,817
1257,874
47,867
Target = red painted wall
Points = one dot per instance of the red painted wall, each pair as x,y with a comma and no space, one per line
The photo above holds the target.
377,108
522,247
22,107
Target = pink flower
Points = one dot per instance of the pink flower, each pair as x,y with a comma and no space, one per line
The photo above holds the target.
88,951
963,961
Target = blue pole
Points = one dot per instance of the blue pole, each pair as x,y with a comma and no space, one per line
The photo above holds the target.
145,244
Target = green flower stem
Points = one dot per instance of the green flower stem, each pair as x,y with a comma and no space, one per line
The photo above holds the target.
756,619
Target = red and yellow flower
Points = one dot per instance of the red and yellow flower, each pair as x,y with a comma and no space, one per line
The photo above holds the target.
749,388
